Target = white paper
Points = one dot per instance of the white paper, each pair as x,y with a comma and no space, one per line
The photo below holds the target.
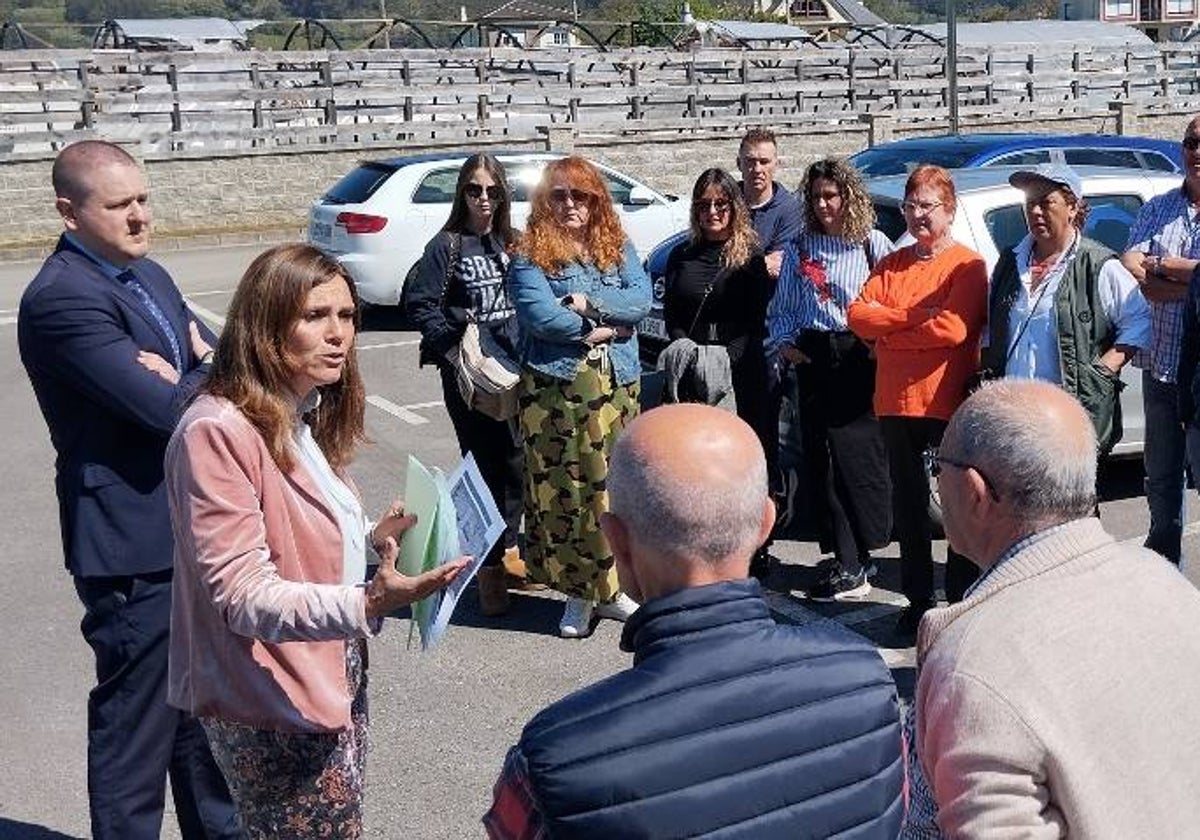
478,524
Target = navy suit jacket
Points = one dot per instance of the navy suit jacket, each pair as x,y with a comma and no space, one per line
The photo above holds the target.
110,418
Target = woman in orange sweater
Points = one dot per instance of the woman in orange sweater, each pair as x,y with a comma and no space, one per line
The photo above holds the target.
924,308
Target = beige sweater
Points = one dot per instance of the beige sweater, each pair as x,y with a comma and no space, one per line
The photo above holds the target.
1063,697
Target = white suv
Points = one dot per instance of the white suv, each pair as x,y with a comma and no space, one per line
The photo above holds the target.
378,218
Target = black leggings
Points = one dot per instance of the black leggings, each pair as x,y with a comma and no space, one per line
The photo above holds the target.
499,458
907,440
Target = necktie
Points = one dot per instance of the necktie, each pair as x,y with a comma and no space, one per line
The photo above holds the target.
130,282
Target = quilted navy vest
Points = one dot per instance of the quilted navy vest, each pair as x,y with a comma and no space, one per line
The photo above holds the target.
727,725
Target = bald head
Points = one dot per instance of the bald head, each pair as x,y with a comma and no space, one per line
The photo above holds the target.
690,482
1035,443
71,174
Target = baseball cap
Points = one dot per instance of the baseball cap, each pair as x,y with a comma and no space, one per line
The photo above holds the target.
1056,173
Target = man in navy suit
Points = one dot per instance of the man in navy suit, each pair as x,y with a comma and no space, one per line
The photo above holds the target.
113,355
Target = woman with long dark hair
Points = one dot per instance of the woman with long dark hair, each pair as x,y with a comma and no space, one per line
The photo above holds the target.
271,609
846,465
579,291
716,294
461,279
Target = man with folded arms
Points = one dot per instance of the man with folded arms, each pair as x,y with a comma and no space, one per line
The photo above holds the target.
114,354
1162,255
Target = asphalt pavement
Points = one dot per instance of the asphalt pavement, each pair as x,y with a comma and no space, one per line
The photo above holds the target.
441,721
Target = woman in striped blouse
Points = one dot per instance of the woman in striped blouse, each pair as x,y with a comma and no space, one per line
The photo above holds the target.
846,466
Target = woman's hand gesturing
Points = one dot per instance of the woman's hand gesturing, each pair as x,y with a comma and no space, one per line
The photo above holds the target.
389,589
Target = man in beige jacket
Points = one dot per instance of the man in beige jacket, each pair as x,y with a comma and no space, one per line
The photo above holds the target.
1062,696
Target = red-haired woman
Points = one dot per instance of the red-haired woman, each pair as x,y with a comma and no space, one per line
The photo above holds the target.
270,613
579,290
924,308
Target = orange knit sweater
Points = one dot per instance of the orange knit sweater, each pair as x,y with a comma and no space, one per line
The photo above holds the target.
925,317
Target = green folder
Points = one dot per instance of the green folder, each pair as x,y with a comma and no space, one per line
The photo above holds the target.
431,541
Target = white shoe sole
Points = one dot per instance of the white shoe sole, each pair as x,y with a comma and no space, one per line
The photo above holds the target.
856,594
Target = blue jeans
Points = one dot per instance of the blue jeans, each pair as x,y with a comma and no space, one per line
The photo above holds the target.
1164,457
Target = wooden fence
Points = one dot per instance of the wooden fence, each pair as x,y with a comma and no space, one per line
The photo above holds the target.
204,102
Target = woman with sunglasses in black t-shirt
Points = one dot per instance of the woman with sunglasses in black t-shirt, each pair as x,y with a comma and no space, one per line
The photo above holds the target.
460,279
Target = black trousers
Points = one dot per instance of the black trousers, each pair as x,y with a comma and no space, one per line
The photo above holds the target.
755,403
846,463
134,738
907,439
498,454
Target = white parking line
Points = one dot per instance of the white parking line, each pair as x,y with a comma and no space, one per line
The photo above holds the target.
1188,530
408,343
407,413
208,315
211,292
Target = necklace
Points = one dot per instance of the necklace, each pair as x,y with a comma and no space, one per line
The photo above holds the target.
932,251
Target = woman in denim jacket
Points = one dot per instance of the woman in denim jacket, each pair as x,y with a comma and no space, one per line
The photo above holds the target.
579,290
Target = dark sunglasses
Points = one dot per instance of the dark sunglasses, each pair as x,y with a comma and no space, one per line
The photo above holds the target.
1191,142
717,205
560,195
475,191
934,464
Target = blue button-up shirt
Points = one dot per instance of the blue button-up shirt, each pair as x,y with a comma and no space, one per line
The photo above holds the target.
1167,226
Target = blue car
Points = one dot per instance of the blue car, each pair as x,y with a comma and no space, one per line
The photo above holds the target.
958,151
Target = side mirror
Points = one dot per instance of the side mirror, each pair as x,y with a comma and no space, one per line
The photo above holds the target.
641,196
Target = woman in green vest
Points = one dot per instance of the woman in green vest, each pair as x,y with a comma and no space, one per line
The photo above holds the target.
1061,307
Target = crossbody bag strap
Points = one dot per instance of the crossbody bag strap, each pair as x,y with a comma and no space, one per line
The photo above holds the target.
724,272
451,259
1012,345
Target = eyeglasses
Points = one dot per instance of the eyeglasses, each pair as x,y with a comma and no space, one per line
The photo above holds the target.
714,205
920,207
1191,142
560,195
934,462
476,191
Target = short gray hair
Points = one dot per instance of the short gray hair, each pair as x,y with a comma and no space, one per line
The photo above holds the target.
1044,470
680,519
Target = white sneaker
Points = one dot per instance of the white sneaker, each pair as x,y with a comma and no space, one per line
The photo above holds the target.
618,609
577,619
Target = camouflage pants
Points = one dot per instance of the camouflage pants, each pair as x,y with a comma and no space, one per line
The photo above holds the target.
568,429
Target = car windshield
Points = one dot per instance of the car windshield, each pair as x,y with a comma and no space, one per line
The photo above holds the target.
883,160
360,184
890,220
1108,221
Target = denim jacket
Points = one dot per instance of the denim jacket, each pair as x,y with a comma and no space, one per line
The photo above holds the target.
552,335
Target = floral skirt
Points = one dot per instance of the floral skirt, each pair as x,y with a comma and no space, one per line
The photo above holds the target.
568,430
298,785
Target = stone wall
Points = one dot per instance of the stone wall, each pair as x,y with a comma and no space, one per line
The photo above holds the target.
204,200
197,200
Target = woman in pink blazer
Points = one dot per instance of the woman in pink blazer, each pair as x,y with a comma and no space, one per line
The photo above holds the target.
271,609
